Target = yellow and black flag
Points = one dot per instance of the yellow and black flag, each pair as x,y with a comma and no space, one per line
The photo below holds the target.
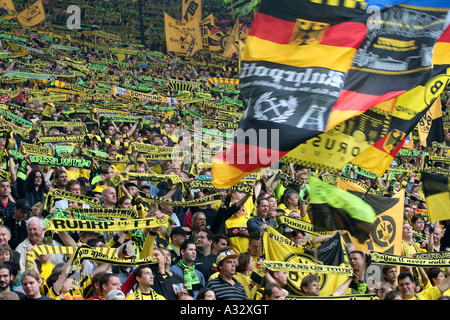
387,228
10,11
293,67
276,247
191,10
371,140
32,15
431,126
437,196
182,37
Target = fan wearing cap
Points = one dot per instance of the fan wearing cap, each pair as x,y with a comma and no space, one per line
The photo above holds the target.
177,236
225,285
115,295
130,190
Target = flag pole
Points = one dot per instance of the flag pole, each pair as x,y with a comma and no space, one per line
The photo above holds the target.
232,11
371,185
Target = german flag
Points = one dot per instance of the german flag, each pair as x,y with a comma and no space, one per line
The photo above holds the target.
395,57
437,196
309,66
377,157
296,57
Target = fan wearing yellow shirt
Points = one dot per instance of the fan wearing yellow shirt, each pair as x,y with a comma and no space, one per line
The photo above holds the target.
144,278
434,277
291,204
236,230
406,287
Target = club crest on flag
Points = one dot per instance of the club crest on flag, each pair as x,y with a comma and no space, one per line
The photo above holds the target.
425,122
308,32
392,140
384,231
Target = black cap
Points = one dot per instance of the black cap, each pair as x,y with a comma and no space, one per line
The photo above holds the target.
131,184
178,230
84,183
23,204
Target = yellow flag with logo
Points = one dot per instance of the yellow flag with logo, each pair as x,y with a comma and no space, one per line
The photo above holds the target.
32,15
7,5
387,228
232,45
191,10
333,149
182,37
211,34
431,127
276,247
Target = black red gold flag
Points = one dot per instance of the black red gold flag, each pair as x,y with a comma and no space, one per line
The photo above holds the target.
396,56
296,57
303,74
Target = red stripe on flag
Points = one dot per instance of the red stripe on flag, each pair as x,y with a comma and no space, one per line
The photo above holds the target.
248,158
351,100
346,34
272,29
445,36
380,145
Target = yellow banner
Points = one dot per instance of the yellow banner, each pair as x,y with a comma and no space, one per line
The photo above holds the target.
387,228
333,149
278,248
182,37
191,10
32,15
7,5
424,125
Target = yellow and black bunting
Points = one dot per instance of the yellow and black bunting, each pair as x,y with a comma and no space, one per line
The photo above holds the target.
307,268
57,224
301,225
88,253
56,194
426,260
